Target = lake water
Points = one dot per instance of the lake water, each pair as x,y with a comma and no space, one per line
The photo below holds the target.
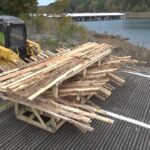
137,30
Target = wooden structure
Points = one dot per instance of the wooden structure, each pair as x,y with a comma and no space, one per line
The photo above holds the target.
6,65
96,16
90,16
53,90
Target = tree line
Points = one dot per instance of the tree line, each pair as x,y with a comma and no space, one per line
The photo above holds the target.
106,5
17,7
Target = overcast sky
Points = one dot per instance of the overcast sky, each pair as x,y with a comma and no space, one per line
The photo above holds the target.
45,2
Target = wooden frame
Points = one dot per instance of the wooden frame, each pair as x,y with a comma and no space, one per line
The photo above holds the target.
36,118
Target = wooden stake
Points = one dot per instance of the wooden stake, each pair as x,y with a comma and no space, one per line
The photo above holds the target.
99,63
55,91
84,72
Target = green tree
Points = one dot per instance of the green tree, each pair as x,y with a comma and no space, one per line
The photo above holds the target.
144,7
16,7
137,8
114,8
108,4
128,7
93,5
59,7
80,8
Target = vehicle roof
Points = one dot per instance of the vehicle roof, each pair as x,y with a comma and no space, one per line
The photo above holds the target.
11,20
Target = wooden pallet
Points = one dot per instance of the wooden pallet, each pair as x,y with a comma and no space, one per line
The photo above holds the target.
6,65
38,118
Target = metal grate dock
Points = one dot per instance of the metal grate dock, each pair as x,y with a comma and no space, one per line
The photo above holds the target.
132,100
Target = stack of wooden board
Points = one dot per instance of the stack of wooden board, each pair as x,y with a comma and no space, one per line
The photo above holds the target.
62,84
6,65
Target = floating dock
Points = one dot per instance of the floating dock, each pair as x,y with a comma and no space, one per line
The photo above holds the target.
91,16
88,16
96,16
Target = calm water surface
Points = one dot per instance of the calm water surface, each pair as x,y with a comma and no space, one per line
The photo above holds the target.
137,30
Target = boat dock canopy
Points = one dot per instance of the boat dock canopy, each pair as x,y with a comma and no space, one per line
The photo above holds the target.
94,14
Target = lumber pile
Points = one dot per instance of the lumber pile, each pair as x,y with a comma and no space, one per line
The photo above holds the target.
62,84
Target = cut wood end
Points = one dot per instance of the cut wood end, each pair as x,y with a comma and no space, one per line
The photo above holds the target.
111,121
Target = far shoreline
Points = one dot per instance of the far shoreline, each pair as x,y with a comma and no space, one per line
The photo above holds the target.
139,15
123,46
